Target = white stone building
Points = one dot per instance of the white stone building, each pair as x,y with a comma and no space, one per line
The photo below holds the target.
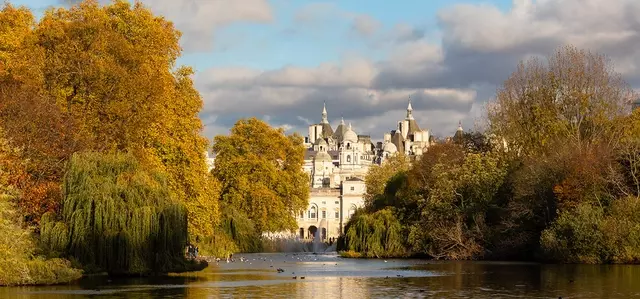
336,162
407,138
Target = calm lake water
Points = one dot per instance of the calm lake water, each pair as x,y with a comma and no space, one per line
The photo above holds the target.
329,276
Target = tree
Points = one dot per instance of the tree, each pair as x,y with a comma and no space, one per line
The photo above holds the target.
576,96
19,263
105,79
261,174
378,176
459,191
378,234
119,217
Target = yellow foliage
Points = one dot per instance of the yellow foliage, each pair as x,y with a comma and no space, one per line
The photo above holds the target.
261,174
112,70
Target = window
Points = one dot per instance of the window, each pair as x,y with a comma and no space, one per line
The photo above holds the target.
324,202
337,214
324,214
301,214
353,188
312,213
349,158
337,202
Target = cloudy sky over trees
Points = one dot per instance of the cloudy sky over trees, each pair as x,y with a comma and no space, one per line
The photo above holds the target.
280,59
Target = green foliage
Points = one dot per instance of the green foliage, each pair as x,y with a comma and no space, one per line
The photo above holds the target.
260,170
591,234
374,235
378,176
19,263
236,233
118,217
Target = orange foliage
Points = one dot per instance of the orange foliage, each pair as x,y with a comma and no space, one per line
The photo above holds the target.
585,177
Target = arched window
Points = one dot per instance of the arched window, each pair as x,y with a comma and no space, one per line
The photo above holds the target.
349,159
348,145
320,148
313,212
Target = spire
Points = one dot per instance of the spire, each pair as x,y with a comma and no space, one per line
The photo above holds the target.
349,126
409,109
324,113
342,120
460,126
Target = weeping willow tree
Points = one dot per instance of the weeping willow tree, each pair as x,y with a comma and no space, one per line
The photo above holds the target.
374,235
235,233
118,217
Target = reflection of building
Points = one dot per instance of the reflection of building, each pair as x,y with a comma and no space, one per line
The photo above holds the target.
329,286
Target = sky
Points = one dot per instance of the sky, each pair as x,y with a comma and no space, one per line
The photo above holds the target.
280,60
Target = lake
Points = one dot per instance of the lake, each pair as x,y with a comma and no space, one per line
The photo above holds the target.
329,276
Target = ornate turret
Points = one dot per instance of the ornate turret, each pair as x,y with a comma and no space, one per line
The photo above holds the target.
324,120
409,110
458,137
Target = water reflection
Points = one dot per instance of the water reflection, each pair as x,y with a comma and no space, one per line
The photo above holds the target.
327,276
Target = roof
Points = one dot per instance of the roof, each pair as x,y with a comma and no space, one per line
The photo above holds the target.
354,179
413,127
327,131
398,140
339,133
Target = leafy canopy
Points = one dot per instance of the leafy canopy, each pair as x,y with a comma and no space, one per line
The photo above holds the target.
260,169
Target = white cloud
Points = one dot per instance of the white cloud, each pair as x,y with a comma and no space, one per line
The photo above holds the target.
365,25
199,19
449,82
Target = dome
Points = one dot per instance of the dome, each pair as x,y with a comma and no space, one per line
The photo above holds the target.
390,148
320,141
350,135
323,157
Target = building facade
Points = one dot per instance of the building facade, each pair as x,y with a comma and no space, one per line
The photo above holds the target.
337,162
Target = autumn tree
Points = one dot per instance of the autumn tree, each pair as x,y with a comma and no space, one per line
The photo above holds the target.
260,169
575,96
106,80
20,261
378,176
32,122
459,188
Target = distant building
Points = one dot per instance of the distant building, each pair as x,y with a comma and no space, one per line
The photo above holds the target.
337,162
407,138
211,161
